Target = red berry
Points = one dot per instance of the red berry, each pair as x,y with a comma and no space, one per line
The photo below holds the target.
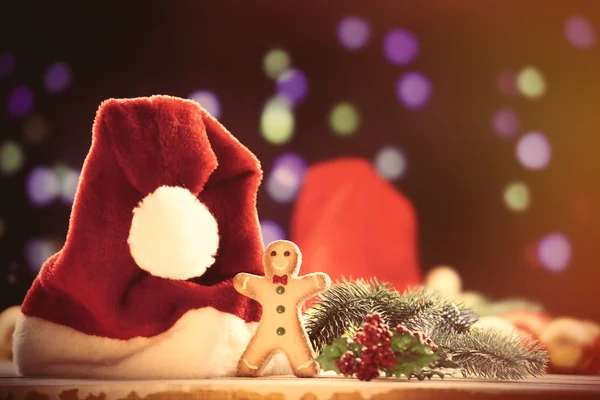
401,329
434,348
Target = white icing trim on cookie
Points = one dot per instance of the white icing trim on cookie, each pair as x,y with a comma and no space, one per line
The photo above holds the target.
305,365
245,283
249,365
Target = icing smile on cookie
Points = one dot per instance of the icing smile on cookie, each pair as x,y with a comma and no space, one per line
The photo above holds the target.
280,268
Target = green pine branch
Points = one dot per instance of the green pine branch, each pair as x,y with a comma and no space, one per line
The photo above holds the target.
490,354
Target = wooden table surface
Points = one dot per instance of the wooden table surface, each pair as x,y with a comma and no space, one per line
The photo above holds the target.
547,388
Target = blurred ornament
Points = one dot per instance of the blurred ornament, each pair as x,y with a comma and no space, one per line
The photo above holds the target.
554,252
286,177
42,186
293,85
530,82
344,119
445,280
390,163
527,321
507,82
8,322
580,32
400,46
20,101
570,344
57,77
277,121
413,90
275,62
353,33
505,122
35,128
7,64
497,323
271,231
38,250
11,157
517,196
534,151
207,100
350,222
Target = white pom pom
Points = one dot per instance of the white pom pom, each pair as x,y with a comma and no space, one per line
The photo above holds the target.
173,235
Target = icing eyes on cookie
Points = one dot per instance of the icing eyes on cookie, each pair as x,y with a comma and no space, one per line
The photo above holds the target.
286,254
273,253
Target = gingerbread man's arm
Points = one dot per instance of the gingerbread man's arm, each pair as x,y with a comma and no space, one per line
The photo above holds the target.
313,284
248,285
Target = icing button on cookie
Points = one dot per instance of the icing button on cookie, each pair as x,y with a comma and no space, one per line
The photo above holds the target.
280,331
280,309
280,289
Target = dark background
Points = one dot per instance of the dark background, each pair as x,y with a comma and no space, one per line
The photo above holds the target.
457,167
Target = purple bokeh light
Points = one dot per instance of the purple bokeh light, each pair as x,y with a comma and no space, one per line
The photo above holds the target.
580,32
353,33
271,231
69,184
57,77
534,151
38,250
554,252
42,186
286,177
7,64
413,90
400,46
293,85
20,101
505,122
207,100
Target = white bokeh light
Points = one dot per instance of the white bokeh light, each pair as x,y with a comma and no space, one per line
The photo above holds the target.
390,162
534,151
208,100
554,252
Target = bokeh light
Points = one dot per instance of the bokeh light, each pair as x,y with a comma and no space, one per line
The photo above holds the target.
35,128
506,122
344,119
277,121
275,62
413,90
7,64
11,157
20,101
517,196
207,100
580,32
271,231
38,250
353,32
554,252
507,82
390,163
293,85
534,151
42,186
286,177
68,179
400,46
57,77
530,82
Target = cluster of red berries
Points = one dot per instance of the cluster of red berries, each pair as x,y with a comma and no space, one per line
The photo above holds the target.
376,352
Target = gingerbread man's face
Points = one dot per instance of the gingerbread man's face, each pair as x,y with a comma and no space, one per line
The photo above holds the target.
282,257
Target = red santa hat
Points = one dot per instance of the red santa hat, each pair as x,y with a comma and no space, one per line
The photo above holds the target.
163,219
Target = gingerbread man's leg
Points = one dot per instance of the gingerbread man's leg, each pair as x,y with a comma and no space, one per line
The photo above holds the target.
254,360
302,360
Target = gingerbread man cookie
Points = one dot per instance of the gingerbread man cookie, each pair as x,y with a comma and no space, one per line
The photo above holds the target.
281,293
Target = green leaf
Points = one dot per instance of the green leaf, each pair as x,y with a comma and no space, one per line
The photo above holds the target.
328,364
355,348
